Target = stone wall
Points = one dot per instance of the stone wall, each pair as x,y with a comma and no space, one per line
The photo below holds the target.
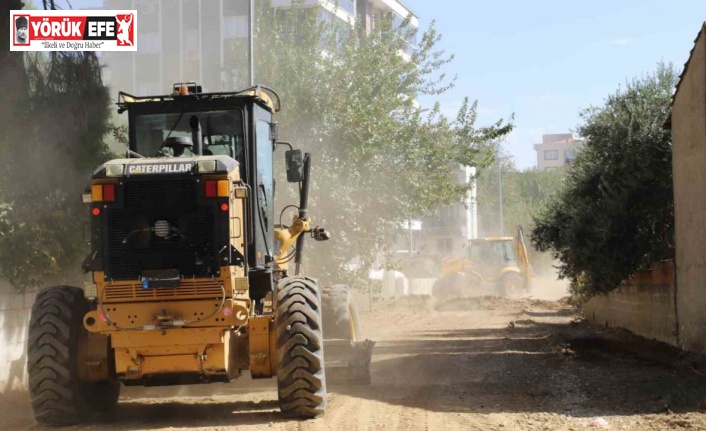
645,305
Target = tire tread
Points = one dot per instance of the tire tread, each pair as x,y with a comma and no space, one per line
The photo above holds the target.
301,379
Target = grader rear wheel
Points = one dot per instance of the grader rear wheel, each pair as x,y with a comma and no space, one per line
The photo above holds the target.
339,313
58,396
301,378
347,355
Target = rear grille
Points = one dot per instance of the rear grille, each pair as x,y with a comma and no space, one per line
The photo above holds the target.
133,248
187,289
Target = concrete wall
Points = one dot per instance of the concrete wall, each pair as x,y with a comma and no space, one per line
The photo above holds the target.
14,322
645,305
689,160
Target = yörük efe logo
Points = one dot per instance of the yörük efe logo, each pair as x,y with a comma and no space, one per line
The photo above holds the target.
99,30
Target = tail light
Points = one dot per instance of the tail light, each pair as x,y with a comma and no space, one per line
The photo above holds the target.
103,193
217,189
109,193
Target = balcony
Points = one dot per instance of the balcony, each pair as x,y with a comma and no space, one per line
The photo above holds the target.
398,7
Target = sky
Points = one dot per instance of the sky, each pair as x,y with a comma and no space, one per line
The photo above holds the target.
547,60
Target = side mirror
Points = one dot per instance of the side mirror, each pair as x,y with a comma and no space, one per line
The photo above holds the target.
320,234
295,164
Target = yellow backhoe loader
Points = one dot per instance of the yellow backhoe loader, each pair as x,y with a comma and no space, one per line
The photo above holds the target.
497,265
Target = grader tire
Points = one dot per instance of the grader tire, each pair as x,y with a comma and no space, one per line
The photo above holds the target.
301,378
58,397
340,322
339,313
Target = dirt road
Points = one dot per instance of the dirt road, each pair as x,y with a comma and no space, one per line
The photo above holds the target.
474,364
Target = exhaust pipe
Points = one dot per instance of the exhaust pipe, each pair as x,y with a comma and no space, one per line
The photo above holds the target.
196,135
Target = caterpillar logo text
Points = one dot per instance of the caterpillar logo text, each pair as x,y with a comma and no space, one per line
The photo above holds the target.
160,168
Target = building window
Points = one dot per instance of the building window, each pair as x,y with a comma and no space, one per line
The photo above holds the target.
407,32
347,5
569,157
327,18
551,155
236,26
324,17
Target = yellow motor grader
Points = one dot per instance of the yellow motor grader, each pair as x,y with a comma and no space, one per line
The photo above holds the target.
498,265
191,276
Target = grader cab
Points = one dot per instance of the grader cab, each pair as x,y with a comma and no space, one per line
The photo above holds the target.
191,276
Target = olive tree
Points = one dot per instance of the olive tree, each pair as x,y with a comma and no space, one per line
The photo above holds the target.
615,212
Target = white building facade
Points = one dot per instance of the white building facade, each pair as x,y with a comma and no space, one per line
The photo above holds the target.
190,40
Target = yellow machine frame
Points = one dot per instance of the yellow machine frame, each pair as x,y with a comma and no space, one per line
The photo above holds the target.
134,318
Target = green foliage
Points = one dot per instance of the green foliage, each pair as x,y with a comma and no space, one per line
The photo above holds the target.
614,215
50,141
348,98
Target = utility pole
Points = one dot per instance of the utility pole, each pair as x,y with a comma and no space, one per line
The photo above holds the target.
472,213
251,48
500,192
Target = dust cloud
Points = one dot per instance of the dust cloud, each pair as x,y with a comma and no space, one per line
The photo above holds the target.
66,175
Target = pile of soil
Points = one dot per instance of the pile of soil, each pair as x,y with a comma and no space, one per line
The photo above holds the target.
410,303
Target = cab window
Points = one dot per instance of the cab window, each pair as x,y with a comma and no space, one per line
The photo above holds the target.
222,133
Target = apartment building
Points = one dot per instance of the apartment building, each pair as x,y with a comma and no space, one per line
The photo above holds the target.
178,40
447,230
370,11
191,40
557,150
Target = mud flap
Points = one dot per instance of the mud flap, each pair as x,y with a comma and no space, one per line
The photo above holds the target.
348,361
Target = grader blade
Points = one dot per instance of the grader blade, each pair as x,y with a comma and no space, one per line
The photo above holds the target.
348,361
